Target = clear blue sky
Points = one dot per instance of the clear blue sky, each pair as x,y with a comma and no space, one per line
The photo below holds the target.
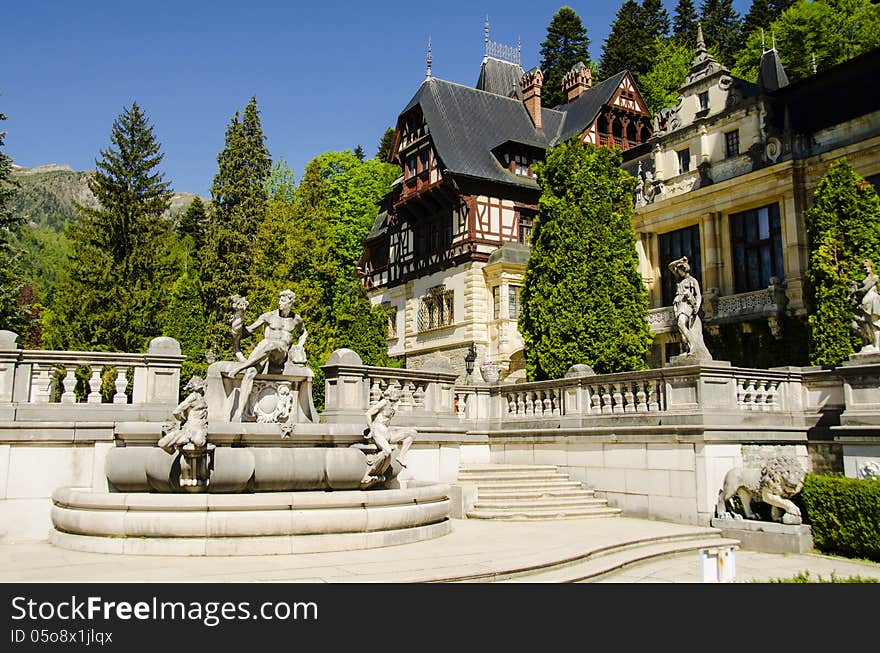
328,75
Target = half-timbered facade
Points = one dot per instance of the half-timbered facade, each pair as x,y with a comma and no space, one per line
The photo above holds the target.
447,252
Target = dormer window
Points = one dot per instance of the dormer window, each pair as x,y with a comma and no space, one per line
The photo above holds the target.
522,166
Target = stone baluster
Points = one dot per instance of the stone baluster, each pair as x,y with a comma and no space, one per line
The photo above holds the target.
121,382
749,394
95,385
69,385
654,397
641,398
529,406
629,398
618,398
548,403
596,400
760,395
419,397
375,390
741,393
607,403
772,400
511,404
406,397
42,381
520,403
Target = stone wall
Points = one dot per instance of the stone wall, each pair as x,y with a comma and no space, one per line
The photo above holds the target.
826,457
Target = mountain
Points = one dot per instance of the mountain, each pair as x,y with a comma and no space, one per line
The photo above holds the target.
47,193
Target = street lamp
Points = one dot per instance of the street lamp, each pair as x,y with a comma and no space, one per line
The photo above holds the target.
470,359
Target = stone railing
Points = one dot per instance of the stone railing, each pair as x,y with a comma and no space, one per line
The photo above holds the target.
661,320
40,385
350,388
758,393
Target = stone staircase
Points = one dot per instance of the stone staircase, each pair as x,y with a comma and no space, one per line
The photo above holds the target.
526,492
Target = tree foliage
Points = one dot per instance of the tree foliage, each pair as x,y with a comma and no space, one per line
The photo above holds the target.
384,150
684,23
660,85
238,207
584,300
116,286
184,320
624,47
831,30
722,28
13,316
566,44
760,15
843,228
192,223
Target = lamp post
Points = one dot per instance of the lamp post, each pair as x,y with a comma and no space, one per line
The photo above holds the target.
469,361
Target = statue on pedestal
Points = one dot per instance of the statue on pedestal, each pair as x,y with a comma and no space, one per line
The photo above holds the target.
866,313
686,308
385,436
191,415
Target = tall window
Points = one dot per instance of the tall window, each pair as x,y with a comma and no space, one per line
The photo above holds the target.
496,302
756,237
731,143
684,160
525,228
513,304
436,309
704,100
674,245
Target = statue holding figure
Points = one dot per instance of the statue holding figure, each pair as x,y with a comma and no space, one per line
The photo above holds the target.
385,436
866,305
686,308
191,419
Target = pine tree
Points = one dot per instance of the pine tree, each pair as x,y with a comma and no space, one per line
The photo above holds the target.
684,24
628,45
584,300
760,15
238,207
843,228
566,44
722,27
12,317
385,144
359,153
117,283
185,322
192,224
656,18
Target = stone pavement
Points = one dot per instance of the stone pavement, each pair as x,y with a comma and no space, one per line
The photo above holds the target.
478,550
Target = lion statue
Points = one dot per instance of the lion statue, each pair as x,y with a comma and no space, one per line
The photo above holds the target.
774,483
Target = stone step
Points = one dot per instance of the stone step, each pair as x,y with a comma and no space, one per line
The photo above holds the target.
605,564
518,494
552,502
491,467
528,486
516,513
512,476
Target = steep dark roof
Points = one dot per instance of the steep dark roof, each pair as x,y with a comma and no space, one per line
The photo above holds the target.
771,74
379,227
583,109
500,77
466,124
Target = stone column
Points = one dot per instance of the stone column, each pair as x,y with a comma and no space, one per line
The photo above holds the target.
711,253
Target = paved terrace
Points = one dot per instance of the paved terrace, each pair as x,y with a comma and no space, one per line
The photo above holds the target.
476,550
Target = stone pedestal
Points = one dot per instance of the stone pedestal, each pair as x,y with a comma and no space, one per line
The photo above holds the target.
769,537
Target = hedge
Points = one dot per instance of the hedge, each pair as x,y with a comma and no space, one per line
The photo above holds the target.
844,514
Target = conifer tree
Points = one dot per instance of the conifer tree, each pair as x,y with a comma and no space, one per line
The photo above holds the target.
238,207
566,44
628,45
12,316
584,300
722,27
385,144
192,223
117,283
760,15
656,18
185,322
684,24
843,228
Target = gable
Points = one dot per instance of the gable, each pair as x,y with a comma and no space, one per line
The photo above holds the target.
627,97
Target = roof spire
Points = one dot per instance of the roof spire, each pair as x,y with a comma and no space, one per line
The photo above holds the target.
763,46
701,42
486,33
773,37
428,75
814,62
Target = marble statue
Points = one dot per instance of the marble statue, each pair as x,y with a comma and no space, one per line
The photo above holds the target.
385,436
866,304
774,483
686,308
274,351
191,419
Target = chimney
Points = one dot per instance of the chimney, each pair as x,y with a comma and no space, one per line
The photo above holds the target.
576,81
531,90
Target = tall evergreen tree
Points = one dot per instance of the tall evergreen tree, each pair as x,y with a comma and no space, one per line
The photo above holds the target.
760,15
722,27
566,44
656,18
185,322
238,207
628,45
192,223
584,300
843,227
385,144
117,283
684,24
12,316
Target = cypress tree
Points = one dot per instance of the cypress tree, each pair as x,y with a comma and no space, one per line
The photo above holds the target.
117,283
684,24
185,322
843,228
238,207
566,44
628,45
584,300
12,316
722,27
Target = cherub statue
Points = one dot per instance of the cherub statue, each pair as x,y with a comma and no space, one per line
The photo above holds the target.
191,419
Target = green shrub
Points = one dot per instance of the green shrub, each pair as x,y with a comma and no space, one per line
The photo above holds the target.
804,577
844,514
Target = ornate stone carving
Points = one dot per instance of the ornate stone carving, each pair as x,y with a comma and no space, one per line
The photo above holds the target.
869,470
774,483
385,438
190,425
866,310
